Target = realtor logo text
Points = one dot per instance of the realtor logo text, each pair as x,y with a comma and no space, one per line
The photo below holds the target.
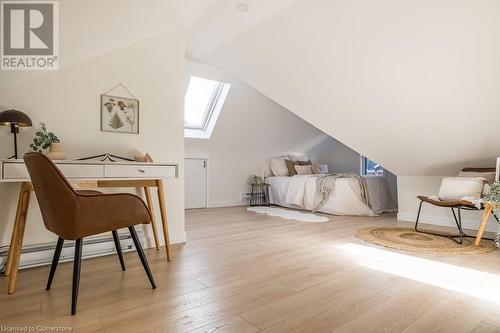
29,35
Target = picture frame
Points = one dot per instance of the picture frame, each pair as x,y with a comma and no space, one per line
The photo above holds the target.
119,114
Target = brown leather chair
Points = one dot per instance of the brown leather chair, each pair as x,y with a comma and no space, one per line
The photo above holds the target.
73,215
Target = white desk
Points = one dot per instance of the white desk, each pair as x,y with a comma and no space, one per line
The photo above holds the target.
85,175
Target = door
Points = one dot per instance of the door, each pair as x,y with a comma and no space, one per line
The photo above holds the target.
196,182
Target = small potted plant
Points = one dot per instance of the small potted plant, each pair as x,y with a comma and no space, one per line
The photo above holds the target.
257,180
44,140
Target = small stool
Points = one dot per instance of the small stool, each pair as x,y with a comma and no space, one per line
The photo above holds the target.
259,196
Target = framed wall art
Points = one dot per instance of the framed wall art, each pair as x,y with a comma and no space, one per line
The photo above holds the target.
119,114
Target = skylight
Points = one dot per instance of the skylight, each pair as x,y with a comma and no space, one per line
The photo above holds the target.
203,102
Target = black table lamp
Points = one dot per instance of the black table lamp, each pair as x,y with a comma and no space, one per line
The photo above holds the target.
14,119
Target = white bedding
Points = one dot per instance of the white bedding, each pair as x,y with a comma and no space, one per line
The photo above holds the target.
299,192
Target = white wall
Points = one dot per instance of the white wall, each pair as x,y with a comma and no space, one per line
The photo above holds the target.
93,27
68,102
250,129
341,158
336,155
401,81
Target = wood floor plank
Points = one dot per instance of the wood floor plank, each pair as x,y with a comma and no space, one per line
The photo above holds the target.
329,313
234,324
393,315
450,315
197,317
245,272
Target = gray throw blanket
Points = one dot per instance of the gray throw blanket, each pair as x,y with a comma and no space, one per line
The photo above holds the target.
325,186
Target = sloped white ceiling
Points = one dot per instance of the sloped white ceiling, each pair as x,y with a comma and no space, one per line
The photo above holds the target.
413,84
213,22
93,27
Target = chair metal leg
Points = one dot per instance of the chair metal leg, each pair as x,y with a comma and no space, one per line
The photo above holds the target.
418,215
76,274
458,222
55,261
142,256
462,233
118,248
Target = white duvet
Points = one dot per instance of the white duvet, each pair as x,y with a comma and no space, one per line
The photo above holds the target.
299,192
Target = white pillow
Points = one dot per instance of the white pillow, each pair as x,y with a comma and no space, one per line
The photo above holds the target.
304,170
278,167
489,176
320,168
296,157
453,188
266,167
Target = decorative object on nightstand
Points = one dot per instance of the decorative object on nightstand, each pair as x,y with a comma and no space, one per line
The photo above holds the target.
14,119
146,158
44,140
259,195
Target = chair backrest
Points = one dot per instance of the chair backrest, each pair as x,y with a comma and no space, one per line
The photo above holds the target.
56,197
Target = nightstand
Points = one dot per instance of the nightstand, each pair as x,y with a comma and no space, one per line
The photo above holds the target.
259,195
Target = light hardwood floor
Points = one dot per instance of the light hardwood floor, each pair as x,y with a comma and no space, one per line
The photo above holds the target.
244,272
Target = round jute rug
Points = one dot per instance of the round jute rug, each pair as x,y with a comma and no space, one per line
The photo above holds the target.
410,240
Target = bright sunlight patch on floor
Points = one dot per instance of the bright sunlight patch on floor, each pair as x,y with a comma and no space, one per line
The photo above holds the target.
463,280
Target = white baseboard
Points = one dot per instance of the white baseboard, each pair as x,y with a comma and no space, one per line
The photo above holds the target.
41,254
218,204
178,238
467,223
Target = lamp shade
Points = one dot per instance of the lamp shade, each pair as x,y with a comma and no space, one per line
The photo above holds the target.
15,117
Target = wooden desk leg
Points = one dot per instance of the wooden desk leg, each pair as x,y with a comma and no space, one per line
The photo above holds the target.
163,212
153,222
20,223
484,221
13,240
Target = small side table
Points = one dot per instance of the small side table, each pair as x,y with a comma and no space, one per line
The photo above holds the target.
488,209
259,195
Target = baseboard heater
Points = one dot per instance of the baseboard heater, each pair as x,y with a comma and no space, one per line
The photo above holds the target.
41,254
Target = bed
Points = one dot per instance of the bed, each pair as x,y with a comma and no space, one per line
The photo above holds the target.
299,192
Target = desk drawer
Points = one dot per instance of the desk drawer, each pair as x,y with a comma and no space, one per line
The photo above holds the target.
19,171
139,171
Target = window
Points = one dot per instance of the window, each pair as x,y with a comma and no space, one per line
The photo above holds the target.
202,104
371,168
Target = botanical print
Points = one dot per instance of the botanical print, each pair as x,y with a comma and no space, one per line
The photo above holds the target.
119,114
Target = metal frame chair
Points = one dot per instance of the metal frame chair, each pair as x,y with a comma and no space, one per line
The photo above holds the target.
452,204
